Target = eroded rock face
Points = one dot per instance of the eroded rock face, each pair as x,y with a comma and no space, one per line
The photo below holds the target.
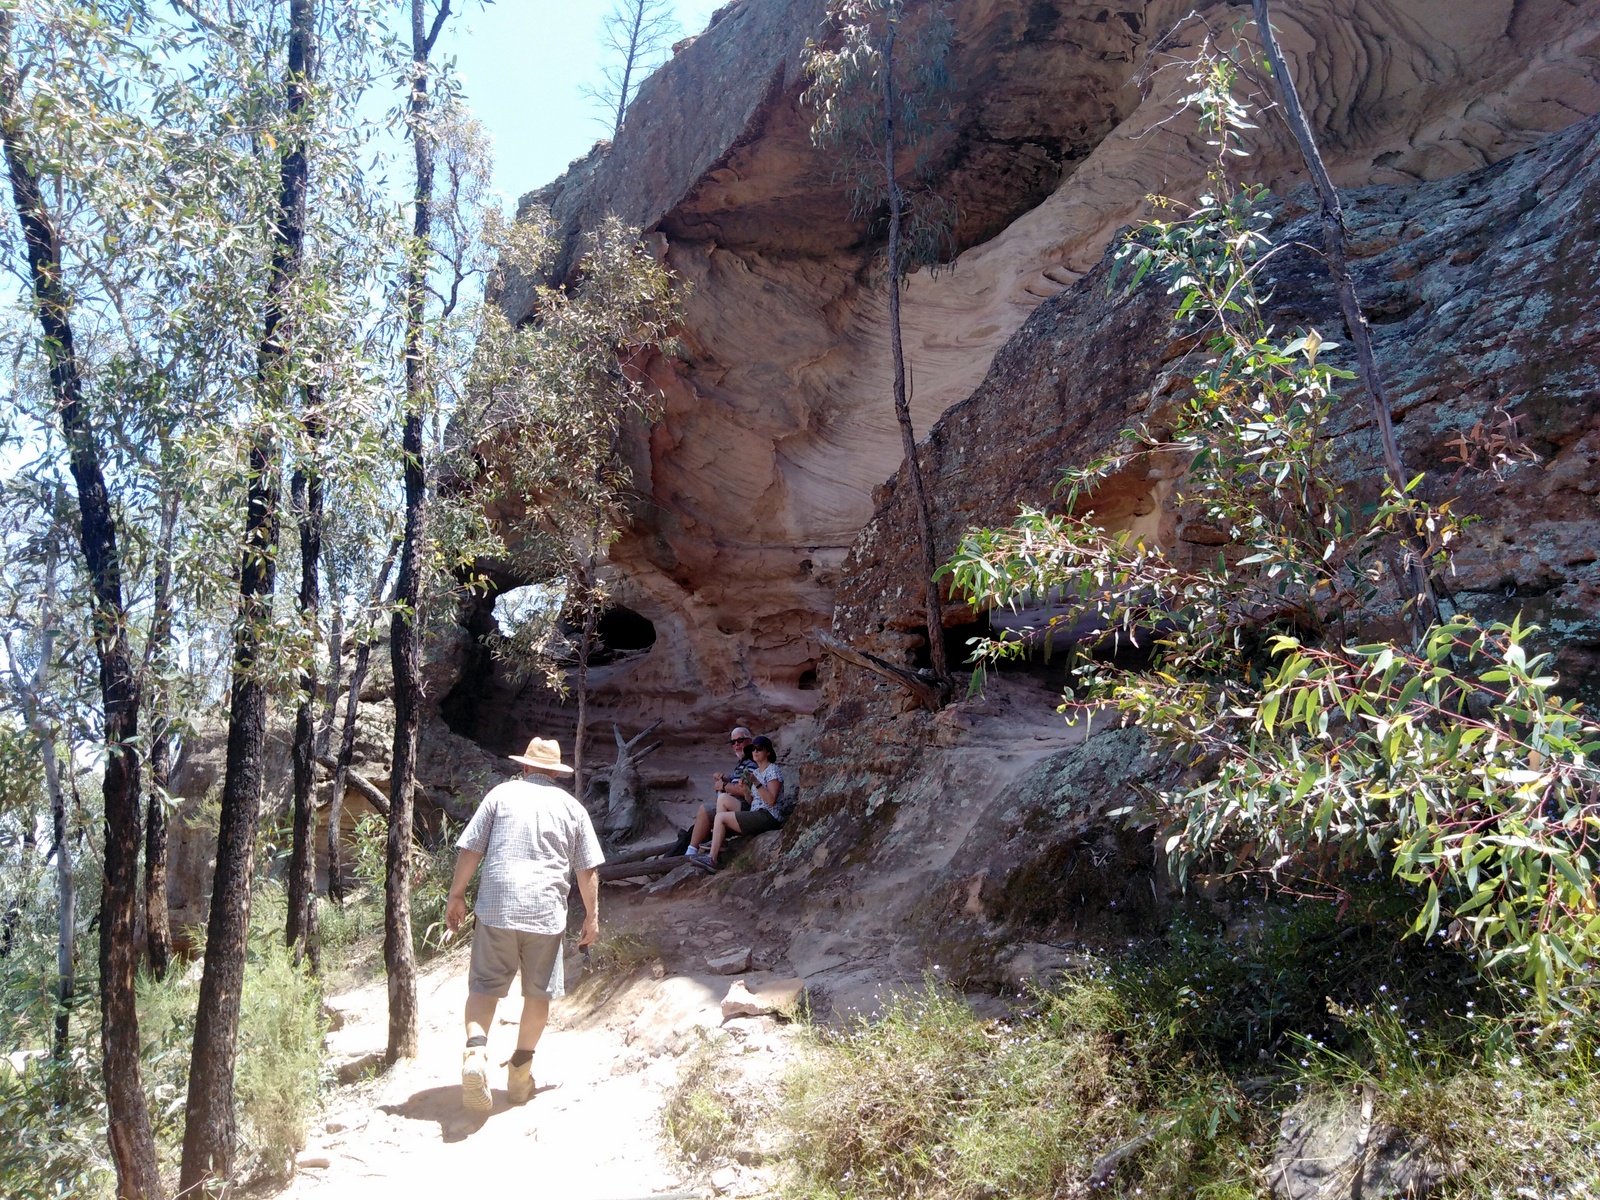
1479,291
778,423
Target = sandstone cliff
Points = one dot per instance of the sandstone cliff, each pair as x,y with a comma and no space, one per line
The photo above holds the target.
778,427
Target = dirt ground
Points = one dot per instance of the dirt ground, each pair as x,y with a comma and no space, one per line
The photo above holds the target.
614,1048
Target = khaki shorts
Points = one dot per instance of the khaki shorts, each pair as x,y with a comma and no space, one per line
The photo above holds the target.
498,954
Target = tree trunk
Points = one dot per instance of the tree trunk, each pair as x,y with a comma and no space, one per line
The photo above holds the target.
1334,252
210,1130
307,489
591,619
902,409
405,649
133,1148
67,899
330,694
157,921
347,738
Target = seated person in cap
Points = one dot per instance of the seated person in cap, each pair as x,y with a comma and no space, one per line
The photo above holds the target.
731,793
764,783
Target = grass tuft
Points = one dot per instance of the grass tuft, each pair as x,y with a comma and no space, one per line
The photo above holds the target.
699,1113
1165,1069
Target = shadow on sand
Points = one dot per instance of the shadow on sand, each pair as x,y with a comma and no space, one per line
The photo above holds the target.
443,1106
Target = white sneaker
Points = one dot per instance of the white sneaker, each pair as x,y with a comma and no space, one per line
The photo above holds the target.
475,1080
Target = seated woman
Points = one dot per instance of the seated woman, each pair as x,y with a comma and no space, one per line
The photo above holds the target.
765,785
731,795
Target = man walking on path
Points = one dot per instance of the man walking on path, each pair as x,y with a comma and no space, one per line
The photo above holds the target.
530,836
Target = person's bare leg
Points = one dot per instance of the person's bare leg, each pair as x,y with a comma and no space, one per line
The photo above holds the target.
725,822
702,825
480,1014
535,1013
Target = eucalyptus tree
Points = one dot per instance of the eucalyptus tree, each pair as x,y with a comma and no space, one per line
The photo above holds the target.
554,400
879,84
33,164
1452,763
635,33
405,641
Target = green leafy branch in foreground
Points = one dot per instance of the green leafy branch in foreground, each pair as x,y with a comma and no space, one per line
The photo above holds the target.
1483,787
1445,755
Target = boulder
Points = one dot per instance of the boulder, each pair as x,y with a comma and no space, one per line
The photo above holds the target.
730,962
780,997
674,879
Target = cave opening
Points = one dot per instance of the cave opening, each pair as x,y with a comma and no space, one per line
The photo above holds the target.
619,631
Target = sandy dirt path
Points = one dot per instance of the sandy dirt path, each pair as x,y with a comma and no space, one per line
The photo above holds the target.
593,1130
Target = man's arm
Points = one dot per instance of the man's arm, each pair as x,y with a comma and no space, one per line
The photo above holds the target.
456,911
589,889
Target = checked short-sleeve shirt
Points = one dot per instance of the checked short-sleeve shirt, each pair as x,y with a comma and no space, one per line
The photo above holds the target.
533,835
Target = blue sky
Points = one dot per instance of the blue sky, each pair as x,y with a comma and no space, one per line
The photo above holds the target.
523,63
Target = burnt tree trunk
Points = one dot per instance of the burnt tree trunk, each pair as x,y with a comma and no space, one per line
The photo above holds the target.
307,498
133,1148
902,407
210,1129
405,648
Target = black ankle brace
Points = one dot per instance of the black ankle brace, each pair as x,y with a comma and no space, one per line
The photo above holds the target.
480,1040
521,1058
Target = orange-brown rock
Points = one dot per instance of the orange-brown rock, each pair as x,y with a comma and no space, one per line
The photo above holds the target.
778,425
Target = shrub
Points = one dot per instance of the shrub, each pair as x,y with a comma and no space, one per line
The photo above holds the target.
53,1115
279,1072
1322,743
930,1101
432,868
1181,1055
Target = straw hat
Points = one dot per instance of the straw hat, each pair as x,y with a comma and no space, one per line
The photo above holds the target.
545,754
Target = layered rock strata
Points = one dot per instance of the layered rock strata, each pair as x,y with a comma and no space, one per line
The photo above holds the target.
1479,289
1064,116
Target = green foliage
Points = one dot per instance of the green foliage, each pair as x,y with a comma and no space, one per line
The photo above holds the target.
1183,1053
51,1110
930,1101
432,868
558,396
1317,744
877,61
54,1122
279,1076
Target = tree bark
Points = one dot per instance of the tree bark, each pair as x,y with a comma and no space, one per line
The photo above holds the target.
405,648
347,739
591,620
330,694
1337,258
307,489
210,1130
132,1142
67,899
157,921
902,408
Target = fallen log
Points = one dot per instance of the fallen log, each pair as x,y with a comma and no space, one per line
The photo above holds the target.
654,866
642,853
362,784
924,691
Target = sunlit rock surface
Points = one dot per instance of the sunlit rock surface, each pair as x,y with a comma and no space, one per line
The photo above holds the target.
778,423
1479,289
